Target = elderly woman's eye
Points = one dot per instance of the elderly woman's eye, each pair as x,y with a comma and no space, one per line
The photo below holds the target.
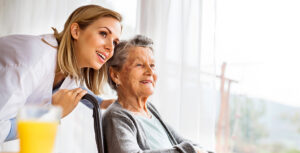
103,33
152,65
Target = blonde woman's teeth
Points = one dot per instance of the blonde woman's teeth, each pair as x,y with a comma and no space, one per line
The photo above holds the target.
101,55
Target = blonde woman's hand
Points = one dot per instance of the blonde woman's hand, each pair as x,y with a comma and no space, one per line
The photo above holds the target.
67,99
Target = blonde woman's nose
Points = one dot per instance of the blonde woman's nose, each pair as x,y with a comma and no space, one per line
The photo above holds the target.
109,45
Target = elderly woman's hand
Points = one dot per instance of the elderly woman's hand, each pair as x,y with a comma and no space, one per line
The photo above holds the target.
200,150
67,99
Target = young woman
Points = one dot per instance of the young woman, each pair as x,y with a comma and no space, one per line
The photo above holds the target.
33,67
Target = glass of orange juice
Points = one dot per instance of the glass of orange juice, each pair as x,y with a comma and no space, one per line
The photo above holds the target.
37,126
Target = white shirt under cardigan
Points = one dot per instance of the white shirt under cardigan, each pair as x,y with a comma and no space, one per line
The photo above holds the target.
27,70
155,133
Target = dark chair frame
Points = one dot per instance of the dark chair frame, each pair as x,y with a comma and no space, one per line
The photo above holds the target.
97,121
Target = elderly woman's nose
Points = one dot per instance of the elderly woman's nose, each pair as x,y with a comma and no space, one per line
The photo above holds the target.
149,69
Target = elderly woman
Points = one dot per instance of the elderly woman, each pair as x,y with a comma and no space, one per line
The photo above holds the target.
132,124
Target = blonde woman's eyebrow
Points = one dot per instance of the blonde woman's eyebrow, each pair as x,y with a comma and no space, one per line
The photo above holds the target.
109,31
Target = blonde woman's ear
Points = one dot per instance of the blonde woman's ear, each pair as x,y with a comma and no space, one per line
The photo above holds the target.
75,30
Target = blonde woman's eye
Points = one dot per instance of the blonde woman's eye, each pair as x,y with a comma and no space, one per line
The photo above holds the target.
152,65
139,65
103,33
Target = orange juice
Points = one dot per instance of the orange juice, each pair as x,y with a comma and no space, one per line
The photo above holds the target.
36,136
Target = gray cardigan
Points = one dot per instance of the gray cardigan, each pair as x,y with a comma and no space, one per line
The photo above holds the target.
123,133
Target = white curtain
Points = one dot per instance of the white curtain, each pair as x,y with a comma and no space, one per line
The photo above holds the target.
35,16
185,97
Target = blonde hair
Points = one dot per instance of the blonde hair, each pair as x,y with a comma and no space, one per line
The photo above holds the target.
66,60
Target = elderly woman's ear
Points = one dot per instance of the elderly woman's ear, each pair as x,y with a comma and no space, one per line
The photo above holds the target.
114,76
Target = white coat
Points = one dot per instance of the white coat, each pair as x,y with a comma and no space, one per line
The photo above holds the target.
27,70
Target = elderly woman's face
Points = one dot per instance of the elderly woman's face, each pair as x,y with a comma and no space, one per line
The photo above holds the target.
138,76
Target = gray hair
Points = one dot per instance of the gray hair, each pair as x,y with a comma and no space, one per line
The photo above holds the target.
121,52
